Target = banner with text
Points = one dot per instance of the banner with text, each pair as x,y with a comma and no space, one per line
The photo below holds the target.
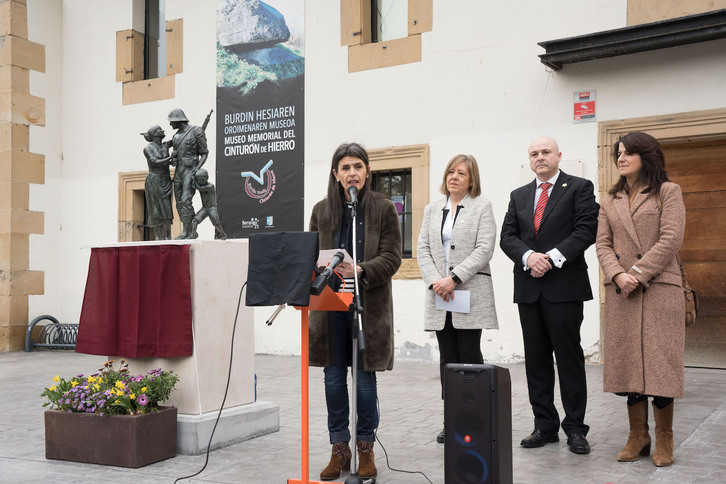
260,115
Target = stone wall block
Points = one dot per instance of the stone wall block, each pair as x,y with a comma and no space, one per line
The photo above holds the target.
14,310
21,282
14,78
20,108
21,221
22,53
14,195
14,252
14,137
12,338
22,166
14,19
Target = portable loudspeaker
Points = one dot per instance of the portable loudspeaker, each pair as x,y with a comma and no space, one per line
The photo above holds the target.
477,424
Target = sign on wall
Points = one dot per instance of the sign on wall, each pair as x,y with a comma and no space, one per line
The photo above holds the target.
260,115
584,106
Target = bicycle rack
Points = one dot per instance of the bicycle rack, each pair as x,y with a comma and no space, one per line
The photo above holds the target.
55,336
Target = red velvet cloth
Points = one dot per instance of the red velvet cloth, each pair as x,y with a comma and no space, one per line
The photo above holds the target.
137,302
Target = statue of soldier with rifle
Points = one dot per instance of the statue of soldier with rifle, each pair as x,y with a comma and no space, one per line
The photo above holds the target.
190,153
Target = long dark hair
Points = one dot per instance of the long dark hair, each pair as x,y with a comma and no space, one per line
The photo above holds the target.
336,193
653,173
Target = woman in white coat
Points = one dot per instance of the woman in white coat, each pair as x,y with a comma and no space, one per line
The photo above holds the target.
455,246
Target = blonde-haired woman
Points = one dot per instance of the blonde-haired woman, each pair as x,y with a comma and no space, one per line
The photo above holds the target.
455,246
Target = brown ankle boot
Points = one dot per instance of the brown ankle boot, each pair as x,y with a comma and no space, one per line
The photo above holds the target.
339,461
366,465
639,440
663,454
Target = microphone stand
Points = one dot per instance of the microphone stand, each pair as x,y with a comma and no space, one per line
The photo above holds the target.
358,345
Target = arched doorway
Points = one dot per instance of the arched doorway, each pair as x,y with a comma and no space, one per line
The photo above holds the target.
695,149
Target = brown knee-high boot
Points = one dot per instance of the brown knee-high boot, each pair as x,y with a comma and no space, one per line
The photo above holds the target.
663,454
339,461
366,464
639,439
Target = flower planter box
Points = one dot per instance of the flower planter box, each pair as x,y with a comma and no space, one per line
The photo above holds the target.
113,440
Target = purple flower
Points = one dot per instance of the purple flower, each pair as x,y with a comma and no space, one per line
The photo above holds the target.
142,400
80,375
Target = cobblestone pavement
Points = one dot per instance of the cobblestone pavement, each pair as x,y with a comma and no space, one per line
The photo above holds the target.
411,416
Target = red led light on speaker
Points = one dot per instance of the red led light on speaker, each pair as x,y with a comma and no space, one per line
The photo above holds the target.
467,438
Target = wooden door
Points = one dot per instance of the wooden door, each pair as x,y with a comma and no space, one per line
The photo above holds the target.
700,170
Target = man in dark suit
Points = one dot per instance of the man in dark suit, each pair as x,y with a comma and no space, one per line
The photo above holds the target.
549,224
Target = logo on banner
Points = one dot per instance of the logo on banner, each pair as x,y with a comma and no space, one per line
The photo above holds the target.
270,221
253,223
260,186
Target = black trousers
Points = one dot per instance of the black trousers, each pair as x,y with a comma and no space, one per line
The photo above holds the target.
457,346
549,328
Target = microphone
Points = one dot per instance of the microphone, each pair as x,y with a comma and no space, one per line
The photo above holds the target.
316,288
353,192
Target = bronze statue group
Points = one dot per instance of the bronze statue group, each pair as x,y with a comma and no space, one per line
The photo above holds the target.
188,153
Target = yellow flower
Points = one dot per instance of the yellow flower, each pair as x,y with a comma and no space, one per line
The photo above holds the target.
96,387
116,402
52,388
56,378
91,379
143,390
74,383
119,393
132,396
120,384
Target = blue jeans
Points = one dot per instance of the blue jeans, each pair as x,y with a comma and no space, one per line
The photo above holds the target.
336,385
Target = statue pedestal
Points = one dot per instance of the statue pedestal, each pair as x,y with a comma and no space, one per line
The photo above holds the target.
218,270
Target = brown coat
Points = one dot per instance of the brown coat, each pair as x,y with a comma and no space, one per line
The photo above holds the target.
645,333
381,260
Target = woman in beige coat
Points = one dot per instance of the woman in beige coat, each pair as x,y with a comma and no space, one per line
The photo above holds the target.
455,246
640,231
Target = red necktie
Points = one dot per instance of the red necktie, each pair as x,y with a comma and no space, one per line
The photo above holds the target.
541,203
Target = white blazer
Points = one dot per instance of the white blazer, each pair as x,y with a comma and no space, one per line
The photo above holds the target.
472,246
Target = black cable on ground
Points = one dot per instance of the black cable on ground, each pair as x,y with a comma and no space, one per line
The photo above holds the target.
388,464
226,389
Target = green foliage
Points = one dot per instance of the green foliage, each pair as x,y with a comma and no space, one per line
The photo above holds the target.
237,73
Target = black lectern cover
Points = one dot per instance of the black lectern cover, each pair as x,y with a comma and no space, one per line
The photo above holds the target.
281,266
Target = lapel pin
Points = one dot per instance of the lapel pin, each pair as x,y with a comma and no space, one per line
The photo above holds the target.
564,184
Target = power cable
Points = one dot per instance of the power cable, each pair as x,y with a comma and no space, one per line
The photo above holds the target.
226,389
388,464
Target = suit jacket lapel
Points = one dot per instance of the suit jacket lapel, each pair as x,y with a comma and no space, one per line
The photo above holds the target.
459,211
437,250
637,201
529,192
444,213
623,209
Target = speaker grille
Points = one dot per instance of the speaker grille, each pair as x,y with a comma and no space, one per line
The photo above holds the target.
478,424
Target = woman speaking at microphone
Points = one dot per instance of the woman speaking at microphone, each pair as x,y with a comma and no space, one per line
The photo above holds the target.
378,248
